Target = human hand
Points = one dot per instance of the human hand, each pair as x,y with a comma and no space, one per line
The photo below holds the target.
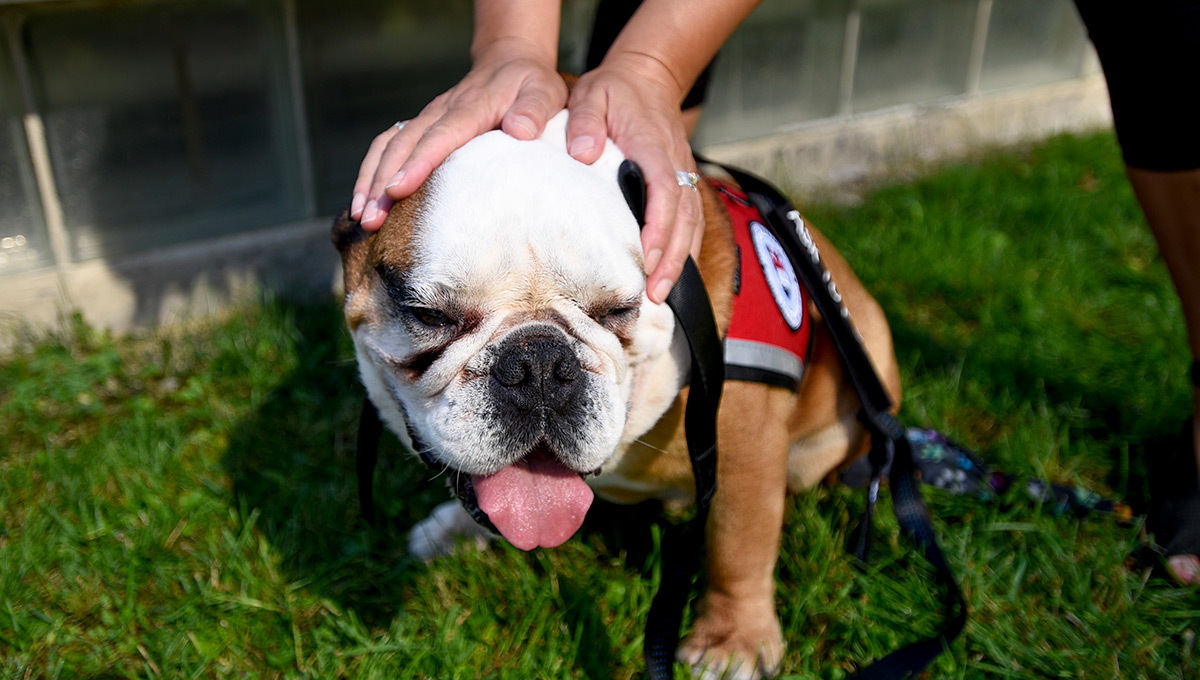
510,86
635,102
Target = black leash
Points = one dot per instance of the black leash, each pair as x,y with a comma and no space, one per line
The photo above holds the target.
888,442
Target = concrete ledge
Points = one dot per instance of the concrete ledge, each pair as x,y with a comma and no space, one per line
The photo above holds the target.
173,284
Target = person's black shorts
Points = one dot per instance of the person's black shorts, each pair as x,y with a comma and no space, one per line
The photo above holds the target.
1150,52
611,17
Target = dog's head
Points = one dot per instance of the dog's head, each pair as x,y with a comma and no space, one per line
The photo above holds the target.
500,316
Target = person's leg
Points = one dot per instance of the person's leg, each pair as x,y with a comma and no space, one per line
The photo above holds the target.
1171,203
1150,53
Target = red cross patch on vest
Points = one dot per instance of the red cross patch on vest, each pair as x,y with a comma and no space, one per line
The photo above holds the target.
769,335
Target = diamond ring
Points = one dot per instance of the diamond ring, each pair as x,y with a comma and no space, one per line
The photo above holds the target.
687,179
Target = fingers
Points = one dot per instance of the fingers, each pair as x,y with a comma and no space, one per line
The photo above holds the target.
648,127
537,102
410,155
510,91
519,97
412,160
366,172
674,220
469,116
672,232
387,151
587,127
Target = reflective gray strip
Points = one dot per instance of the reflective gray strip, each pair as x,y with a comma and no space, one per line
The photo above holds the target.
760,355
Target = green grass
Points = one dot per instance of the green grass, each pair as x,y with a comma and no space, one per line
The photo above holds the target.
182,504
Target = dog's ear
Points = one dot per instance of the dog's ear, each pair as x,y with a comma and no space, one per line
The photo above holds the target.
351,241
347,233
633,187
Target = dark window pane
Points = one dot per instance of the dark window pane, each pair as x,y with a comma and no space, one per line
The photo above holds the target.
779,68
1032,42
367,64
912,52
165,123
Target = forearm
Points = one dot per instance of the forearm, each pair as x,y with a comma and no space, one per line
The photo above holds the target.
529,25
678,38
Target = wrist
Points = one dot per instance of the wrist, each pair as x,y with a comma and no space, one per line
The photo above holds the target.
645,67
511,48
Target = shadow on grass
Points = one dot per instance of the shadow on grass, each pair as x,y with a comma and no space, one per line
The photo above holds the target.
292,466
1116,423
292,463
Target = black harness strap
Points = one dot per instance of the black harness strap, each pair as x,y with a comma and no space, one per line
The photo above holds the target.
682,545
887,434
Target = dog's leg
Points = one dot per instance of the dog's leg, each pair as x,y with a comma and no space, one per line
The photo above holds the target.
737,633
446,528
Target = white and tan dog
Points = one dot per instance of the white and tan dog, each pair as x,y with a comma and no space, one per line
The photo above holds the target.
500,318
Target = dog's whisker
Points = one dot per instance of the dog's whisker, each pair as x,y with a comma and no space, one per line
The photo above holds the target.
648,445
422,453
439,474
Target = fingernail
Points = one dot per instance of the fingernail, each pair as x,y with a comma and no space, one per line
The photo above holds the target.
356,205
395,180
370,212
663,289
581,145
652,259
525,124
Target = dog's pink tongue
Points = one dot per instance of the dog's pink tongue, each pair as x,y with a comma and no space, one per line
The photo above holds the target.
535,501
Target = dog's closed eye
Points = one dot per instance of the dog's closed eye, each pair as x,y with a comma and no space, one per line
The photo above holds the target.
428,316
615,317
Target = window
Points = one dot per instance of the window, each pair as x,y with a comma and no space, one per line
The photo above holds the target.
368,64
165,122
1031,42
912,52
23,242
781,67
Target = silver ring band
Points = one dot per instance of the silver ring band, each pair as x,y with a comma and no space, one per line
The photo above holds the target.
687,179
399,125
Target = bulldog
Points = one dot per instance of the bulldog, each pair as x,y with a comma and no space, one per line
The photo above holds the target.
502,330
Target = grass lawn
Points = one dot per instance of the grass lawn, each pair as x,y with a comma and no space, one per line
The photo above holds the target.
182,503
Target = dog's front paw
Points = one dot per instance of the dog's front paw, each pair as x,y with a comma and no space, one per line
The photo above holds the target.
445,529
733,642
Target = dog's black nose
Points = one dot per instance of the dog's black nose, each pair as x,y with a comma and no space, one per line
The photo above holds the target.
535,370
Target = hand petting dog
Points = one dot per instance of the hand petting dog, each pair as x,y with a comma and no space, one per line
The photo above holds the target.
633,97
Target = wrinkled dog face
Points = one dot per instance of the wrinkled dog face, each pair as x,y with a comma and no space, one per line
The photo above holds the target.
502,311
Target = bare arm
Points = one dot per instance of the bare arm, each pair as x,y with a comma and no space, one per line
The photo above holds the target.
634,98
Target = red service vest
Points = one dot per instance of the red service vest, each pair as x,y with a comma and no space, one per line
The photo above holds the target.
770,333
